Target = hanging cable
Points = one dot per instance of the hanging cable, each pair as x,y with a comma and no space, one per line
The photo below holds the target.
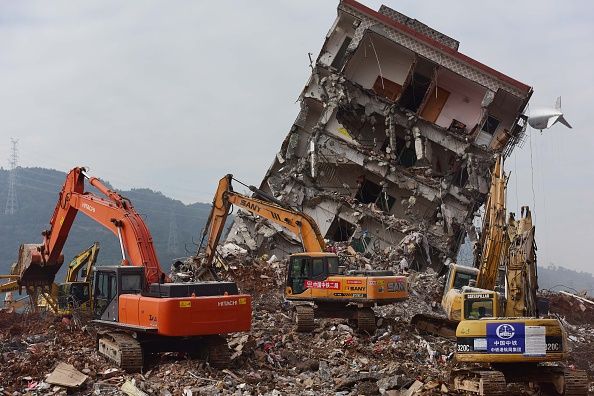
378,63
517,176
532,179
543,194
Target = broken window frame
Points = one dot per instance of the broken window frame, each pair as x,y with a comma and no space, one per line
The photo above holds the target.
385,201
335,227
369,196
416,100
489,118
340,57
401,150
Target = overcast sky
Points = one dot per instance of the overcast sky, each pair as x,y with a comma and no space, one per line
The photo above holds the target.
172,95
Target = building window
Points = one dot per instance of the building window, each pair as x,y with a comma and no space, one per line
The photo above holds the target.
413,95
368,192
340,55
340,230
387,88
405,156
490,126
385,201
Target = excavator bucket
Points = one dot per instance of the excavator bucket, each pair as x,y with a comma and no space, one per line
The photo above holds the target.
32,271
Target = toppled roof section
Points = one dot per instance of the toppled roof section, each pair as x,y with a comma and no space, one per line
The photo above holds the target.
419,27
433,45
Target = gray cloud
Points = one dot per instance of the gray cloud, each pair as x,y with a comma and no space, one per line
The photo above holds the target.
172,95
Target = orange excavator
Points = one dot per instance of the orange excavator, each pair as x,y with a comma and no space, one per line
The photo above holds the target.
316,284
139,311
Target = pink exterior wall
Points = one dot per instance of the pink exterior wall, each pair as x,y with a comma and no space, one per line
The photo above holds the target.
464,102
395,62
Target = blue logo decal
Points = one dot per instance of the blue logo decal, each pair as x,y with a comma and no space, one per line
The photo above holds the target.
505,337
505,331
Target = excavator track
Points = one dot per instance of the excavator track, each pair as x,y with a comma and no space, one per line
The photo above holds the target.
492,383
123,349
442,327
305,318
219,355
366,320
576,383
482,382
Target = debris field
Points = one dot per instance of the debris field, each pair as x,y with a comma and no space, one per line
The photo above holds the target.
270,360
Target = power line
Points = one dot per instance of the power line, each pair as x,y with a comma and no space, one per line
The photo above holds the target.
12,203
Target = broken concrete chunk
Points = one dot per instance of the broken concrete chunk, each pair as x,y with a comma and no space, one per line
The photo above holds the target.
66,375
129,388
350,381
413,388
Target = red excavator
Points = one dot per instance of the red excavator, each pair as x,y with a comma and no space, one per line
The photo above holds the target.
139,311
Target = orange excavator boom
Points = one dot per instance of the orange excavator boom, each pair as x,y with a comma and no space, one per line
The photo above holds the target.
38,264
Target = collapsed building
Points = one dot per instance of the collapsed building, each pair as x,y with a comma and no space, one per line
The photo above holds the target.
392,149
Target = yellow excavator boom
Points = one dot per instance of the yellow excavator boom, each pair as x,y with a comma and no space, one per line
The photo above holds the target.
521,269
300,224
494,241
88,258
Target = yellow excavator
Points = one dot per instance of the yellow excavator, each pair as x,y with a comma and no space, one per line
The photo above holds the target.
501,339
315,282
73,293
509,342
474,282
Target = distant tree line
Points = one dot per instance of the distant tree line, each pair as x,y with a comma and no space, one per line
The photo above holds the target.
173,225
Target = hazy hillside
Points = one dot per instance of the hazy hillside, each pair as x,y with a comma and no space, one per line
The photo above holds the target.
560,278
173,225
549,277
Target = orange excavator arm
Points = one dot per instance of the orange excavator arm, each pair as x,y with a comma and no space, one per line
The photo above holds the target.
298,223
39,263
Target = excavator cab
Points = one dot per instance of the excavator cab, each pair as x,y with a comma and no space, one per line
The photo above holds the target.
72,295
309,267
478,305
459,276
109,283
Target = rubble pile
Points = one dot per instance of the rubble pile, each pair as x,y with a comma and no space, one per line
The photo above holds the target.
577,315
425,290
581,342
272,359
32,344
575,309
